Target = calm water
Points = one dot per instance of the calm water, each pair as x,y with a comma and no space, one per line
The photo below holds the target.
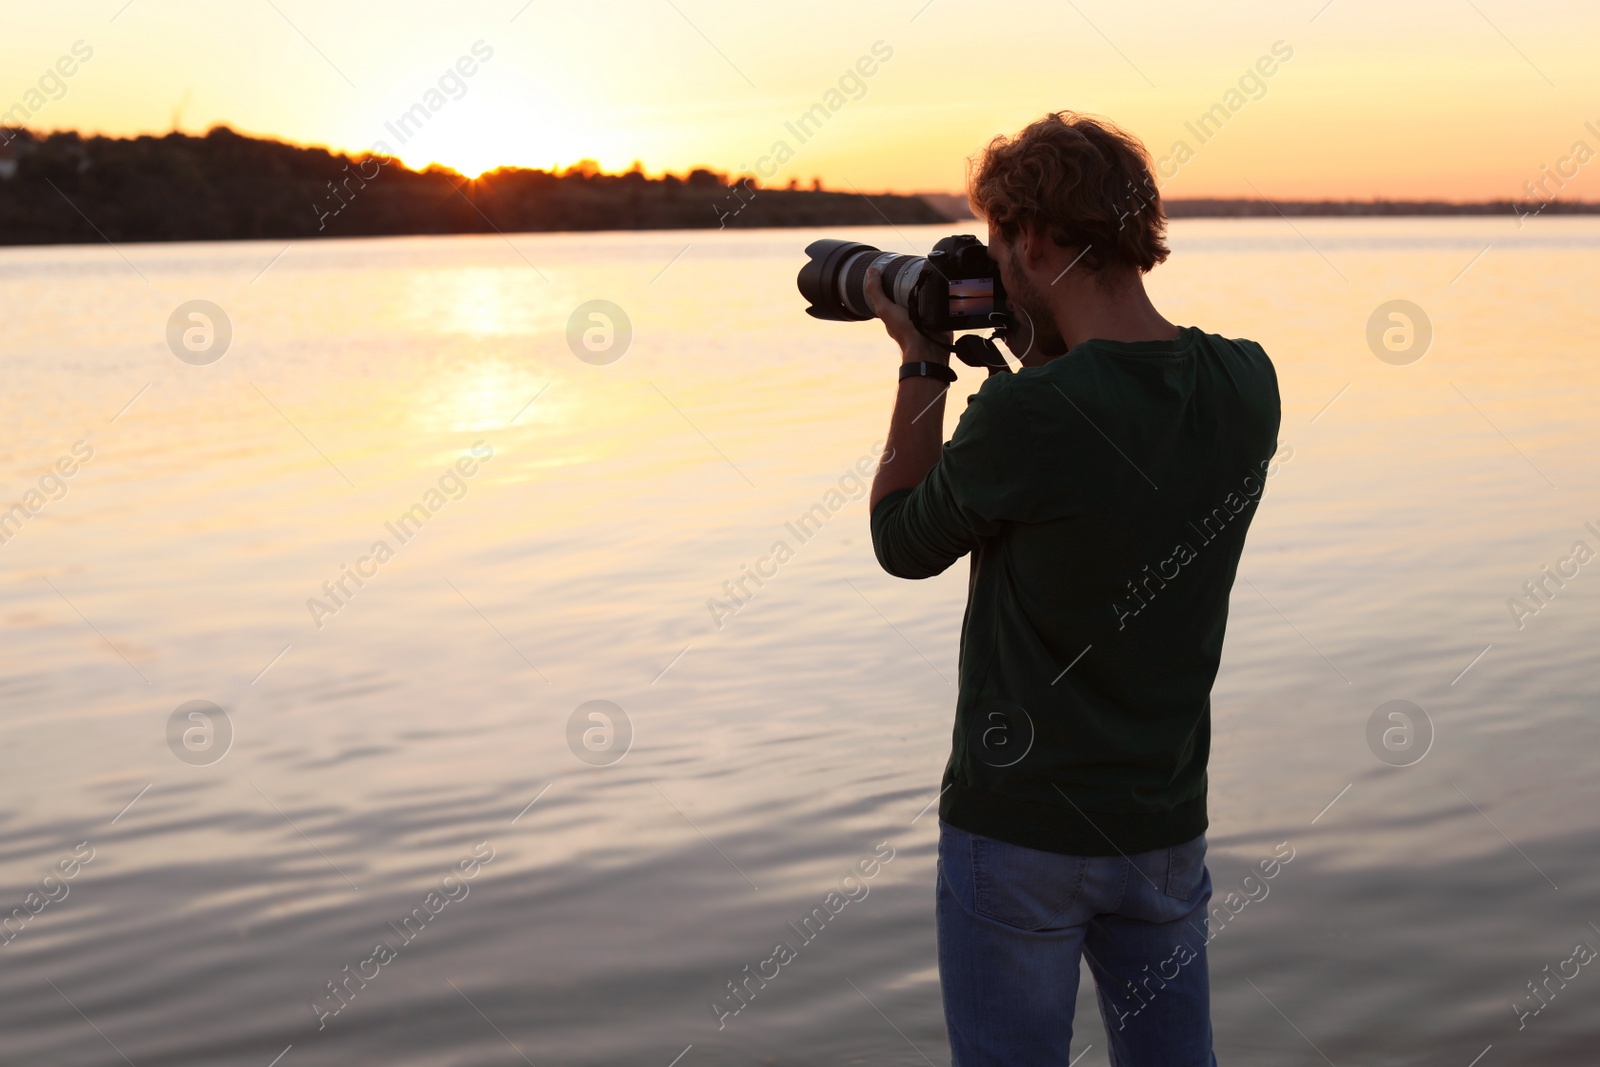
407,736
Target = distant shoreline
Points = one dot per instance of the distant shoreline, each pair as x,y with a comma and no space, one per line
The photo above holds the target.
63,188
1210,208
1221,208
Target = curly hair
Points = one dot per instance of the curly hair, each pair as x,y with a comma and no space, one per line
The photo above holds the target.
1081,180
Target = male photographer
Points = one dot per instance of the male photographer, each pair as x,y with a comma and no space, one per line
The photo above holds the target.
1104,490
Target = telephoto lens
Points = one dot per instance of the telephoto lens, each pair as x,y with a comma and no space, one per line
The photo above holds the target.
834,278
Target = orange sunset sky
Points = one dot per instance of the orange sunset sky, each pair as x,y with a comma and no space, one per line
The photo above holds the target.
1450,99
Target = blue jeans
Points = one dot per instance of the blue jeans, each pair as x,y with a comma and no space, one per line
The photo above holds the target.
1013,922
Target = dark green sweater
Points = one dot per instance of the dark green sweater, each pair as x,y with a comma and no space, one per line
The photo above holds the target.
1104,497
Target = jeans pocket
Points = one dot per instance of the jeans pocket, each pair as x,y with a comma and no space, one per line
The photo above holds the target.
1024,887
1186,868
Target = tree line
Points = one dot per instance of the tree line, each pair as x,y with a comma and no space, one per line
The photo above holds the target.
227,186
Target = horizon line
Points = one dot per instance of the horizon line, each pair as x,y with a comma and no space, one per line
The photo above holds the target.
591,167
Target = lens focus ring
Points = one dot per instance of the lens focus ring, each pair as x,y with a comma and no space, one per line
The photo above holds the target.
897,278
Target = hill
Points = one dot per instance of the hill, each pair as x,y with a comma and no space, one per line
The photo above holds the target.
224,186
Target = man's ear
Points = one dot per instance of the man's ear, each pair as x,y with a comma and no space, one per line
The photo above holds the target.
1033,245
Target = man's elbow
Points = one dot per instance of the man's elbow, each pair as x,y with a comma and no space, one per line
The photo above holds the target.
901,551
898,565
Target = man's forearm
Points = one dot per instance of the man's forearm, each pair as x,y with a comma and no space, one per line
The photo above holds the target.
916,434
916,427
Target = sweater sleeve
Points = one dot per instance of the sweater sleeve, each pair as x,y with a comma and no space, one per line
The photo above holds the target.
977,485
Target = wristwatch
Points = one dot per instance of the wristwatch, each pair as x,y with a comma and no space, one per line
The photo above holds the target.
924,369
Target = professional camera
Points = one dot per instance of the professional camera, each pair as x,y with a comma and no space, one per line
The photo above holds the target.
955,287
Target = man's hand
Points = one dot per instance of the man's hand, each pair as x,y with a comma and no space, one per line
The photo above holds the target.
916,425
897,321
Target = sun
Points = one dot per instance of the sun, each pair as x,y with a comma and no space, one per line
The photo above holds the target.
471,162
463,146
475,142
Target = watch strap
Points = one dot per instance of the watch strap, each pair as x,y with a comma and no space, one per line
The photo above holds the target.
922,368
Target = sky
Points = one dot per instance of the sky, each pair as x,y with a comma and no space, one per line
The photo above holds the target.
1446,99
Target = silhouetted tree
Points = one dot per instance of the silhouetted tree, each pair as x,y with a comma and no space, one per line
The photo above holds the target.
224,186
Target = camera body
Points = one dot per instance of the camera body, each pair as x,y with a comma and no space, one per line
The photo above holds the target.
960,288
955,287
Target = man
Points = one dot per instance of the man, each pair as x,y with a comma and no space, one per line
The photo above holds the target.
1104,490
